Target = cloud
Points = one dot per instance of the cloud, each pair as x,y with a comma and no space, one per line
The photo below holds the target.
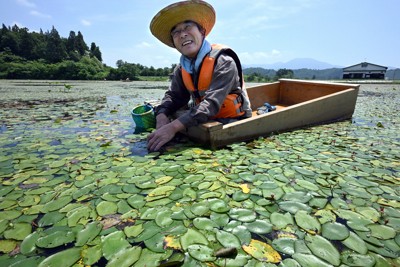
143,45
259,57
86,22
40,15
26,3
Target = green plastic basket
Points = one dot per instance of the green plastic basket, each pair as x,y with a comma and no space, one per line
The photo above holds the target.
144,117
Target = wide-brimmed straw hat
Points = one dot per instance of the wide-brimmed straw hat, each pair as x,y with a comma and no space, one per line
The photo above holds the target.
195,10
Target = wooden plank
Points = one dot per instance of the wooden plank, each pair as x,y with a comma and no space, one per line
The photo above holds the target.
293,92
258,95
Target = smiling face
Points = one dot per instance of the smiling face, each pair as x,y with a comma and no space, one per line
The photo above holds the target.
188,38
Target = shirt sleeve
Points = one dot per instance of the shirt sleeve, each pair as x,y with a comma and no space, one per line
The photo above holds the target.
176,96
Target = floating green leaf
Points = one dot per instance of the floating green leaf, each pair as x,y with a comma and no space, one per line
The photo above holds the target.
18,231
114,243
355,243
28,245
307,222
63,258
227,239
126,257
335,231
89,233
280,220
201,252
106,208
323,249
6,246
259,226
55,239
192,237
310,260
91,255
382,231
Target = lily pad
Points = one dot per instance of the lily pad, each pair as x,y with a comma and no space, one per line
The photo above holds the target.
284,245
382,231
335,231
204,223
57,204
310,260
63,258
259,226
18,231
323,249
280,220
90,232
192,237
307,222
355,243
293,206
200,208
28,245
243,215
227,239
126,257
352,259
106,208
262,251
201,252
55,239
6,246
114,243
243,234
218,205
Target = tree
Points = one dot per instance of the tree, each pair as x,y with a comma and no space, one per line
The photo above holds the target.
70,45
56,51
9,40
80,44
95,52
284,73
26,44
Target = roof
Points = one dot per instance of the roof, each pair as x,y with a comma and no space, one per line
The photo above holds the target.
365,66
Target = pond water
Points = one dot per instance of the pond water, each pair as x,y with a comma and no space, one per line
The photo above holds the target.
71,163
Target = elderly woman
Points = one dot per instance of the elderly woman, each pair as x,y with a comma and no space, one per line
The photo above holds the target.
209,75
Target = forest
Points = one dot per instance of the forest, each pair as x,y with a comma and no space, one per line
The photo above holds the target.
47,55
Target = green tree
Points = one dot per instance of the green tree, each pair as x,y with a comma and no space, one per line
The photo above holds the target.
70,45
80,44
284,73
55,49
26,44
9,40
95,52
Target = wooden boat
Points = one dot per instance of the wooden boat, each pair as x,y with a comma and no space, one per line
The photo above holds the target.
299,103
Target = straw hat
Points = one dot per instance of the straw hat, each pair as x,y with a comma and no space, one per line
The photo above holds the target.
195,10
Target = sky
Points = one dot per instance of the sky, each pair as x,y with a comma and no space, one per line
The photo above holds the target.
338,32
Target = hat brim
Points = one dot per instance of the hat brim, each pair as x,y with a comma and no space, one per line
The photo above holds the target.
198,11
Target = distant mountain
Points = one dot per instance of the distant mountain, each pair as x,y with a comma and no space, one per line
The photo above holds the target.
294,64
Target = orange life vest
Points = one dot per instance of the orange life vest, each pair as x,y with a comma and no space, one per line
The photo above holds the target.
232,105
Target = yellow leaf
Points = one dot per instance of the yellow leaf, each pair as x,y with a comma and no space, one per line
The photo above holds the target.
163,180
245,188
172,242
262,251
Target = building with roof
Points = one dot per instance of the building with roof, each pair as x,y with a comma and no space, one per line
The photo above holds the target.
364,70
